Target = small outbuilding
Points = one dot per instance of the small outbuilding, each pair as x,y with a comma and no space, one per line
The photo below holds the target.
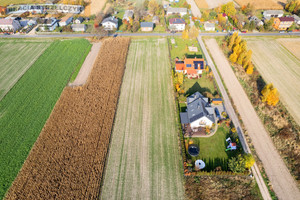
79,27
209,26
146,26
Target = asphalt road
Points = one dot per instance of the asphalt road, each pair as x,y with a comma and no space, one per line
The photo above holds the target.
231,113
59,35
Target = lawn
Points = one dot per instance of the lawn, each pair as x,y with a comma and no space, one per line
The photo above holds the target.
180,48
212,149
16,58
27,106
144,160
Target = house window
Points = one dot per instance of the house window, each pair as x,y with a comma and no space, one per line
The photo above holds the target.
188,65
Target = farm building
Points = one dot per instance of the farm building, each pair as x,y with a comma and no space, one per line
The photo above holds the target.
146,26
257,21
9,25
66,20
191,66
180,11
199,113
296,19
47,24
78,27
110,23
79,20
177,24
128,15
283,23
209,26
155,20
272,13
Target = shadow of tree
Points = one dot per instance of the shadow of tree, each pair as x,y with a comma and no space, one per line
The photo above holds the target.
196,88
260,84
213,164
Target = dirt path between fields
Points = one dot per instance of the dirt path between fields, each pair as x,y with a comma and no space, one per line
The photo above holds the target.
283,183
195,10
87,66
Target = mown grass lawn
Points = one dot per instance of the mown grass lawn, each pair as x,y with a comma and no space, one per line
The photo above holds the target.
27,106
180,48
212,149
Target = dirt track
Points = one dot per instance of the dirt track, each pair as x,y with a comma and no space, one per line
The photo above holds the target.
283,183
68,158
87,66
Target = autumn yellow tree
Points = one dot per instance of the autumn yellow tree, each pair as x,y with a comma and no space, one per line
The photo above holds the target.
185,34
232,40
228,9
247,58
153,6
249,69
270,95
241,58
233,57
249,160
180,78
237,49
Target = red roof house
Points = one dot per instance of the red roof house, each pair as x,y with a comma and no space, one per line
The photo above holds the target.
190,66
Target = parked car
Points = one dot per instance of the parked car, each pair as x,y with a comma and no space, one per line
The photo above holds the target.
217,113
281,31
6,33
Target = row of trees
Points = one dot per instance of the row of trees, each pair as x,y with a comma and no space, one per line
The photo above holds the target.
293,6
239,53
240,163
191,33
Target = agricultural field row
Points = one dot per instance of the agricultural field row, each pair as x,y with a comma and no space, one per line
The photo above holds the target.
16,58
68,158
144,160
266,4
27,106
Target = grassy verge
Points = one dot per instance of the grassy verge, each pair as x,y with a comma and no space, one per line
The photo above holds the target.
27,106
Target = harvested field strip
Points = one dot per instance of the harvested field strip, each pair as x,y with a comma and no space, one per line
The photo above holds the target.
144,160
27,106
280,67
291,44
259,4
68,158
16,58
201,3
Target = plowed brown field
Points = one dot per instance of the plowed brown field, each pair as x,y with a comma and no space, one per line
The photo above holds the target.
68,158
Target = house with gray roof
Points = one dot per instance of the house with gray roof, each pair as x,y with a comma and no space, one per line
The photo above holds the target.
209,26
199,113
146,26
110,23
180,11
268,14
257,21
297,19
79,27
127,15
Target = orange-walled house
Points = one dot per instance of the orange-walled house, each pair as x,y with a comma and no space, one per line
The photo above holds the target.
283,23
2,10
191,66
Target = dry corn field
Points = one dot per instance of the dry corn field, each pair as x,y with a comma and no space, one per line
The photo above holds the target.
68,159
201,3
216,3
263,4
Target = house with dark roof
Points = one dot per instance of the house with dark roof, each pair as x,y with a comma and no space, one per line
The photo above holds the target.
9,25
146,26
79,20
180,11
128,15
272,13
110,23
199,113
176,24
47,24
66,20
191,66
283,23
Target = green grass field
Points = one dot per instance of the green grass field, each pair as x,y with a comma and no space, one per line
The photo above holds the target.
16,58
27,106
180,48
144,160
212,149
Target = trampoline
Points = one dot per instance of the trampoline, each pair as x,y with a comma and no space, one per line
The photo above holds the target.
193,150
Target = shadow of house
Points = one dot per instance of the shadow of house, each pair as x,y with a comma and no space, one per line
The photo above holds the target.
196,88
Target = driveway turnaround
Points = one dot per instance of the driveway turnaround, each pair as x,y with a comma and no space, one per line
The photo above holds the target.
283,183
